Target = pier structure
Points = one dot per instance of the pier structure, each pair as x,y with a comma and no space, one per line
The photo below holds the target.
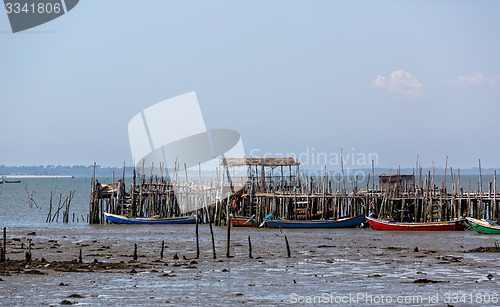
276,186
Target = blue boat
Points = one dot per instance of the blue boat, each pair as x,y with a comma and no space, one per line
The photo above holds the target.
122,219
349,222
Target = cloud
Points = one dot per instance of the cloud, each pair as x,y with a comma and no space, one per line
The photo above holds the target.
475,78
400,82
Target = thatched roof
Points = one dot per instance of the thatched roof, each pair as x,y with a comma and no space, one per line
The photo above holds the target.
259,161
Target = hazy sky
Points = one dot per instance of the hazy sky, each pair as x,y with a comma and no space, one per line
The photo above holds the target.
390,78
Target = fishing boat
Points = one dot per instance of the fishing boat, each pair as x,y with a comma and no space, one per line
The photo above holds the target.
484,226
349,222
3,179
12,181
429,226
243,221
122,219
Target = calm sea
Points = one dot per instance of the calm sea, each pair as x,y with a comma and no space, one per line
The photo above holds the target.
27,203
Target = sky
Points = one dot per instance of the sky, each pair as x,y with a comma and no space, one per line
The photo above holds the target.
387,81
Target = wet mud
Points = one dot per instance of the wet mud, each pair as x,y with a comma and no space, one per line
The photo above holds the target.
95,266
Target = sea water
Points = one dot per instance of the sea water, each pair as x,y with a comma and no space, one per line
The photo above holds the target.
27,203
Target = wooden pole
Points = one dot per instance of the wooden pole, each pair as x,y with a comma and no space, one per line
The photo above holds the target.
162,249
4,248
197,237
186,186
218,222
428,206
458,183
262,178
287,247
323,204
373,175
480,178
479,199
28,253
211,233
494,212
445,170
249,248
228,221
342,167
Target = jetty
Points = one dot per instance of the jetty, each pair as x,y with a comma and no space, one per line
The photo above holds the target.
276,186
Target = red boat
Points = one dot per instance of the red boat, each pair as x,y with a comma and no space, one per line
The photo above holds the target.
429,226
243,221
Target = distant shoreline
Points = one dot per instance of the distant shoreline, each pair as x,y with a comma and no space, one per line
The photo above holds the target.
38,176
88,171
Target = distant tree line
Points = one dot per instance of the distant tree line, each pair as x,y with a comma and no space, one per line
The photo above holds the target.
59,170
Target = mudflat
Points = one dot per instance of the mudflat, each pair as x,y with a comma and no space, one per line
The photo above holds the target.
95,265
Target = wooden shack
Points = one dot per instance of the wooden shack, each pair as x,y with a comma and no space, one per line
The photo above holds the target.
260,171
398,181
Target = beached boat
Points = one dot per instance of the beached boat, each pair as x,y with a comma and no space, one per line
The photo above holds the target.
122,219
429,226
340,223
484,226
243,221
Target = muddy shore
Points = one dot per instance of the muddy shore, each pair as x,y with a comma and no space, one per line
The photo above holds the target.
338,267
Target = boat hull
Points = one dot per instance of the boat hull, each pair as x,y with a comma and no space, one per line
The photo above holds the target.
243,221
121,219
483,226
431,226
9,181
341,223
